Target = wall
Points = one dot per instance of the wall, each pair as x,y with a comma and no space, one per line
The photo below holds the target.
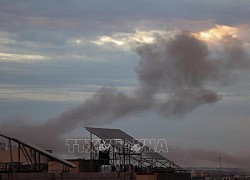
68,176
93,176
174,176
146,177
54,166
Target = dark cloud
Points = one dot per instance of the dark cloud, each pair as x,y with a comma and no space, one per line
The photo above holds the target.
175,70
114,15
173,75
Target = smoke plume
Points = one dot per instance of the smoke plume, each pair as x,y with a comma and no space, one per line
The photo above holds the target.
173,76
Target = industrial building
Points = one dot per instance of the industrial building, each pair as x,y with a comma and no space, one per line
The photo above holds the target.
21,160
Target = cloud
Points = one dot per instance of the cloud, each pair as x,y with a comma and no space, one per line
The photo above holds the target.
7,38
77,41
96,16
213,36
4,41
10,93
11,57
43,94
73,34
179,68
217,33
128,41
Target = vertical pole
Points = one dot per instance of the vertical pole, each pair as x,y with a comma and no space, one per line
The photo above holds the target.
141,160
19,157
129,154
91,155
35,160
39,161
124,156
11,157
113,155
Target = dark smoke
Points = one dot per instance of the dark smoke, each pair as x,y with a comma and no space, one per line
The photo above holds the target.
178,69
106,106
236,55
173,76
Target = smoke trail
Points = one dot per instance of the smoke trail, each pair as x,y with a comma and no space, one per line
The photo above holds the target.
106,106
173,76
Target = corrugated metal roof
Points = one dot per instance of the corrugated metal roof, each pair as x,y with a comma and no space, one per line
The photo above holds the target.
43,152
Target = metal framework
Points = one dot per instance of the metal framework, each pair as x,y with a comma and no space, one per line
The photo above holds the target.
36,159
121,152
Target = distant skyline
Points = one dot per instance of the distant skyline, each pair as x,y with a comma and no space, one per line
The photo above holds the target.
55,55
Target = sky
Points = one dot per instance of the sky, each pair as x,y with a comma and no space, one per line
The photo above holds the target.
56,55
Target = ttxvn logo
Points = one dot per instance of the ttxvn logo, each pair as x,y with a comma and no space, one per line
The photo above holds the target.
137,146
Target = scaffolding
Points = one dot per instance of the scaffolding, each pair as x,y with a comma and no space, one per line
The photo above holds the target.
124,153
